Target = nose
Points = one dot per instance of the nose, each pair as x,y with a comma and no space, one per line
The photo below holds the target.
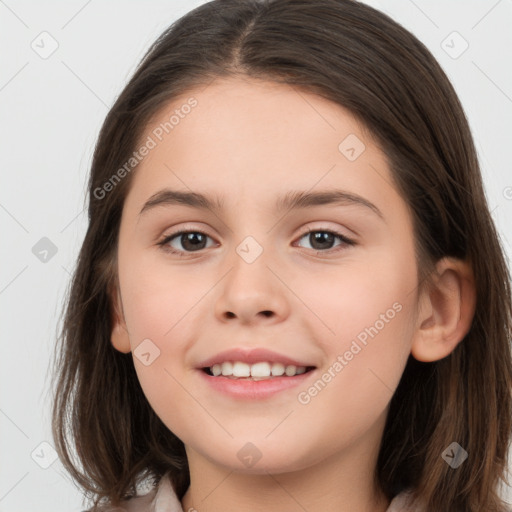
252,293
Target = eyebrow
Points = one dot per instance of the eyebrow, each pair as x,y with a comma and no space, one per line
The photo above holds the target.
295,199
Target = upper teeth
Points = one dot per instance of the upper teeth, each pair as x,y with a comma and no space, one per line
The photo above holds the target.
263,369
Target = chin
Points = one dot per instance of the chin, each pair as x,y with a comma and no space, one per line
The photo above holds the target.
252,459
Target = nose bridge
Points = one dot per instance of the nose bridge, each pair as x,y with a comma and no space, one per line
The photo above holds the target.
250,263
253,228
250,289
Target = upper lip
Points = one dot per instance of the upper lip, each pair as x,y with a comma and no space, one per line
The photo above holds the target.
250,356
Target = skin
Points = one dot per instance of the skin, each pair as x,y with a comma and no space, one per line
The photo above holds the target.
251,141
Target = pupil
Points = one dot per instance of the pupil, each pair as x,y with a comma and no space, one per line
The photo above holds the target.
194,239
320,237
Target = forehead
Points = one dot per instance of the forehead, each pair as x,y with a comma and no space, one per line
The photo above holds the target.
251,138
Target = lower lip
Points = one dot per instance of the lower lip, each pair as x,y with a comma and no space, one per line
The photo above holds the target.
254,389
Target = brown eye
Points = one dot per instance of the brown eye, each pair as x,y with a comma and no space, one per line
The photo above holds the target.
185,241
323,240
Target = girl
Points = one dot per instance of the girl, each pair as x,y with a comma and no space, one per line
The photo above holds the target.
291,294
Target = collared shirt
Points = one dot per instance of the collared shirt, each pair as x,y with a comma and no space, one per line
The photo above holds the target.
163,498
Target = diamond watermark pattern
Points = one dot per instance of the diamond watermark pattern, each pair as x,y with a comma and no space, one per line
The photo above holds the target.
44,455
351,147
146,352
44,250
249,249
454,45
454,455
44,45
249,455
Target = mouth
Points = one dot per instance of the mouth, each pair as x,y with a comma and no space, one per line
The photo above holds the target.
251,387
259,371
254,373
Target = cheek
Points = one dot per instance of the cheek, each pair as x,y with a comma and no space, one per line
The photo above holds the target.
359,300
158,300
370,314
363,321
163,308
160,317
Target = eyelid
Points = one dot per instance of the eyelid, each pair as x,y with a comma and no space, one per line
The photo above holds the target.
335,230
185,228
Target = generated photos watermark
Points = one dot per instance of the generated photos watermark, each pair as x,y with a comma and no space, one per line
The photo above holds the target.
157,135
342,360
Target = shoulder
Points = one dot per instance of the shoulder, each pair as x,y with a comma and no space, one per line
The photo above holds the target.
135,504
404,502
159,498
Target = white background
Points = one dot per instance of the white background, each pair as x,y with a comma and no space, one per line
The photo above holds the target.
51,112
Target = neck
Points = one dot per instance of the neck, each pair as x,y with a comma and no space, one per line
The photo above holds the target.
343,482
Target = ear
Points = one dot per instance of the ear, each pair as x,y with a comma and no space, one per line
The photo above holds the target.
119,334
445,311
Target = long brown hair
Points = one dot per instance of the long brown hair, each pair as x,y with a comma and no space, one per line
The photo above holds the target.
361,59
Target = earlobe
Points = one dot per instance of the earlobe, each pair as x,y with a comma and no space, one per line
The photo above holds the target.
446,311
119,333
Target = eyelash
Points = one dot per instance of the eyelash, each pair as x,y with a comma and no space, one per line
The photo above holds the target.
163,243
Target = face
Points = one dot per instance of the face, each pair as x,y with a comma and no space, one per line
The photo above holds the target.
331,284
